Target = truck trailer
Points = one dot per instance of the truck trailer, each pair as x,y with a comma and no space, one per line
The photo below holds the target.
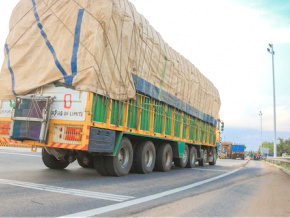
93,82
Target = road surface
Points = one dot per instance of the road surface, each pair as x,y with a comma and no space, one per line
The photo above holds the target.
29,189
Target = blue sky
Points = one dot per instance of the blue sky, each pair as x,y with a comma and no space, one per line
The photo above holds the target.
227,41
278,8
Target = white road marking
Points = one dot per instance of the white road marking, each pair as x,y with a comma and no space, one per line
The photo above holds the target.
30,155
211,170
76,192
118,206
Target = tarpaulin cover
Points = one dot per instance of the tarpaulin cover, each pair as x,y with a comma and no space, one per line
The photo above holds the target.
101,46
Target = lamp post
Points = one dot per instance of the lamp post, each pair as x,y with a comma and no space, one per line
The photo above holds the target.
261,115
271,51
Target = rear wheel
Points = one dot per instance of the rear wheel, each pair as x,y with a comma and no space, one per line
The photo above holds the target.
192,158
214,157
85,160
121,164
203,161
51,162
144,157
182,162
100,165
164,158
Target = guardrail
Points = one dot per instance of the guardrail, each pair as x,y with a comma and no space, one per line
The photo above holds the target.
283,161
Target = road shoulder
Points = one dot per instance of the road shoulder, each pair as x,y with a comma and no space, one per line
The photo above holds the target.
272,197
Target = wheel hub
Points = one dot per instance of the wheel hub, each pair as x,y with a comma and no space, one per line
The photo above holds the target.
167,158
193,160
123,157
185,156
149,158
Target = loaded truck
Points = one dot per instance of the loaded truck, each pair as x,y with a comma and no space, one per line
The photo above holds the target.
91,81
238,151
226,150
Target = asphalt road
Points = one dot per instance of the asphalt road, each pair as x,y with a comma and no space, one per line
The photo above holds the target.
29,189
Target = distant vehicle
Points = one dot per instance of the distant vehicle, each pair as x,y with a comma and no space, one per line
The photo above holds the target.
252,155
256,156
238,151
226,150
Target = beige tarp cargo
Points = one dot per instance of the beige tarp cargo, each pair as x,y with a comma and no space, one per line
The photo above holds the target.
101,46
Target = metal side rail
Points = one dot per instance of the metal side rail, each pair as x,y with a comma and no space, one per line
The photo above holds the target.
283,161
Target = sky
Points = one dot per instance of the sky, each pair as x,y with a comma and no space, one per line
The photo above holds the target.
227,41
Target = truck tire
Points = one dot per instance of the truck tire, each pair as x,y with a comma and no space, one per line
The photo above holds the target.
164,158
121,164
214,157
100,165
182,162
144,157
81,163
192,158
85,160
203,161
51,162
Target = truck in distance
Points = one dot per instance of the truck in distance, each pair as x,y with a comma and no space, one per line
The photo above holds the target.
238,151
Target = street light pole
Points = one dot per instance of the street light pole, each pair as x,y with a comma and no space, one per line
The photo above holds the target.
271,51
260,114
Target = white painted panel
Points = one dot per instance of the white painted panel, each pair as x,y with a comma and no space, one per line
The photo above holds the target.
68,104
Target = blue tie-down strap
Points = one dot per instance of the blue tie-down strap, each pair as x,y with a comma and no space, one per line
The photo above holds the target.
10,69
68,79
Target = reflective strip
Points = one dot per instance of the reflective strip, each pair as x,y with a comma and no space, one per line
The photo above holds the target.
74,60
48,43
6,140
10,69
69,146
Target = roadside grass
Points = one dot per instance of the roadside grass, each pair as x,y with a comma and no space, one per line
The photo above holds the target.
286,167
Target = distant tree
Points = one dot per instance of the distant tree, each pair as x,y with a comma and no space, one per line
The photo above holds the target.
283,146
269,145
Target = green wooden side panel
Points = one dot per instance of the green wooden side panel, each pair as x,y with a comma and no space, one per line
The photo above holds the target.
177,123
132,114
158,116
202,131
145,113
168,120
205,132
214,135
196,130
184,126
210,134
101,105
191,128
117,113
181,146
